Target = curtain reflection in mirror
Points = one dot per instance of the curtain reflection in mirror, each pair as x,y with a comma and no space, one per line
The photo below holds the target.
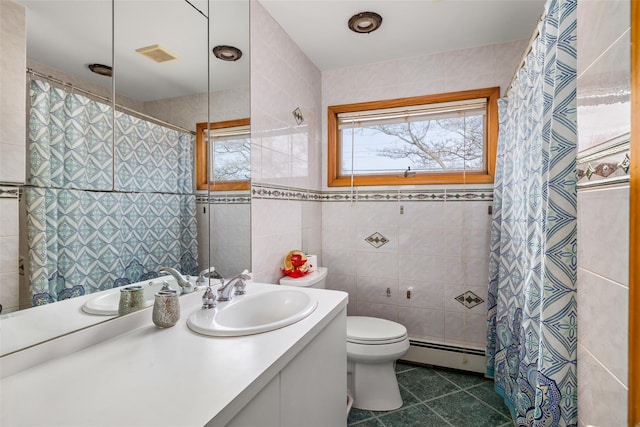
89,230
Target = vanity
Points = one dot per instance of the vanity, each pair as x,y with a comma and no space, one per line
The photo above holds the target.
128,372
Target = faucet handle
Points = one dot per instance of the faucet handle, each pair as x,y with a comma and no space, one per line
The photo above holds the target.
208,299
205,273
241,286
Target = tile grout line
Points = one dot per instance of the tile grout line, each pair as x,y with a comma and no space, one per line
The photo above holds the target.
426,402
403,408
486,404
439,416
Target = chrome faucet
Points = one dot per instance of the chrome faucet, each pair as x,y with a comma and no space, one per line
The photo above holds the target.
185,286
224,292
207,273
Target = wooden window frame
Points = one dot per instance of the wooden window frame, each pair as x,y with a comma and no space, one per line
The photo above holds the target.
633,403
491,140
202,158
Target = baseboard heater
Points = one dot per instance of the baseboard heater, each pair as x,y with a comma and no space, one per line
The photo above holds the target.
446,355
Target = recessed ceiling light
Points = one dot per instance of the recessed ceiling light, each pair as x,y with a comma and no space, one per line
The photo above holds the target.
103,70
227,53
365,22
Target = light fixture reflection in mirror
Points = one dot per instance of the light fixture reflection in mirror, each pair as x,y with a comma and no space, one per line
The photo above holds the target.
227,53
101,69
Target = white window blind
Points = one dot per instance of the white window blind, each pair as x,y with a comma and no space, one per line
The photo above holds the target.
416,113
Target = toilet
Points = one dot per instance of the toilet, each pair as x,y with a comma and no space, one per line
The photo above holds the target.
373,346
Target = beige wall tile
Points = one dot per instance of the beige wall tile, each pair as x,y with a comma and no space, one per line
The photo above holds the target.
603,232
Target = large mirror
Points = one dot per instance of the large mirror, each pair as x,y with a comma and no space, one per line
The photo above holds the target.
165,80
228,193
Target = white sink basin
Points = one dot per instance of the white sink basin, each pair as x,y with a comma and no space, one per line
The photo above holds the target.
107,303
253,314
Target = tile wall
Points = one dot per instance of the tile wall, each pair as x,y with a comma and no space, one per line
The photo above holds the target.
603,210
223,218
436,244
186,111
12,102
422,263
224,232
285,153
12,145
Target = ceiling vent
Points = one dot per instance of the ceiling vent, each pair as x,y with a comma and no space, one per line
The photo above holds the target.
157,53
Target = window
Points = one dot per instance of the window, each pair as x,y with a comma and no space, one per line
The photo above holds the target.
228,165
437,139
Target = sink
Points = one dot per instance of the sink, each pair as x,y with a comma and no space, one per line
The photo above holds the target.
253,314
106,302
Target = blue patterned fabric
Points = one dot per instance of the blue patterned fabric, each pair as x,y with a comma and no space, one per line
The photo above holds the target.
84,237
532,318
69,140
151,158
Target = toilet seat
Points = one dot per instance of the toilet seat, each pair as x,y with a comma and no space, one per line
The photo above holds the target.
374,331
380,342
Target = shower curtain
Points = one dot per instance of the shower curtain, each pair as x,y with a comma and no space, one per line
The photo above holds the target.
101,215
532,324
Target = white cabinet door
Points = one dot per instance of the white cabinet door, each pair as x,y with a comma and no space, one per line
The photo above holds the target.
311,391
313,386
263,410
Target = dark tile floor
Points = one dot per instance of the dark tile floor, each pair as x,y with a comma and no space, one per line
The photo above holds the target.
438,397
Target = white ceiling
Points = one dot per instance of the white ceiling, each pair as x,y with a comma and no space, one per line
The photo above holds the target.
409,27
70,34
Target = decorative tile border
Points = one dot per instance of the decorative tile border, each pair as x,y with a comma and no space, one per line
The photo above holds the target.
235,197
266,191
605,166
275,192
461,195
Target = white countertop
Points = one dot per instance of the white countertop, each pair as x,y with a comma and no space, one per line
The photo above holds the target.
25,328
160,377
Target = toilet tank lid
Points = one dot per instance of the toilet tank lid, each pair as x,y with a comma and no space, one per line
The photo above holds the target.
306,280
363,328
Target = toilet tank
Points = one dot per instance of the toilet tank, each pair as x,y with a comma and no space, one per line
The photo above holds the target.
317,279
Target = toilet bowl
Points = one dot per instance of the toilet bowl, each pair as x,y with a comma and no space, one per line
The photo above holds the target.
373,345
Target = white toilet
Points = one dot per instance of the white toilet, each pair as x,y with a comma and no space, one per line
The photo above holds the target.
373,345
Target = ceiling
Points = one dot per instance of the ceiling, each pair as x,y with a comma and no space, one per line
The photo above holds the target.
70,34
409,27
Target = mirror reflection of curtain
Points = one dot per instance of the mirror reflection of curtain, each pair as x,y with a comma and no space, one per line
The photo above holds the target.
88,230
532,331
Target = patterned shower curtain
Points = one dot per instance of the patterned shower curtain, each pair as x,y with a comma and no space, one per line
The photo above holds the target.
532,319
98,215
